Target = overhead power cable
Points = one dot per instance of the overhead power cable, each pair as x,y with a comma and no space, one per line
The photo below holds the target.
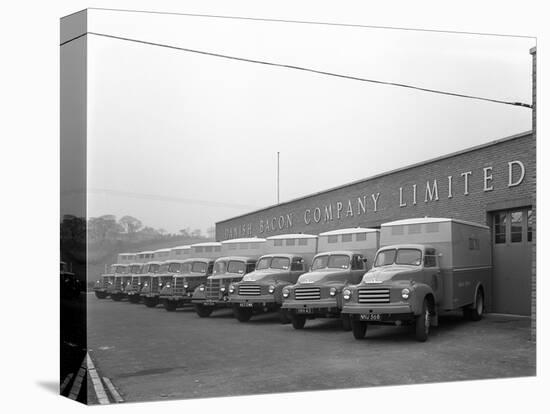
303,22
301,68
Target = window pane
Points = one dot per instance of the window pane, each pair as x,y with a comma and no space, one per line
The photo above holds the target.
516,226
361,236
415,228
500,228
278,242
346,237
302,242
290,242
530,225
333,239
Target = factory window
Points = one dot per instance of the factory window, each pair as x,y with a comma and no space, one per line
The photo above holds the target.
208,249
198,249
529,225
432,227
243,245
346,238
277,242
254,245
361,237
415,228
302,242
232,246
218,249
516,226
333,239
500,228
290,242
473,243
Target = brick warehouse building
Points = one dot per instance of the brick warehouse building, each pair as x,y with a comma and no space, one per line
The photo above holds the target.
492,184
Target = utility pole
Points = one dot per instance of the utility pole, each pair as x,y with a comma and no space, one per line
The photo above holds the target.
277,177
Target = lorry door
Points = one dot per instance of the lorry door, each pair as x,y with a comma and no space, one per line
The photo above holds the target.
512,253
433,274
296,269
358,269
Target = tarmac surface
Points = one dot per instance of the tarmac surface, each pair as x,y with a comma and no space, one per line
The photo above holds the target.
151,354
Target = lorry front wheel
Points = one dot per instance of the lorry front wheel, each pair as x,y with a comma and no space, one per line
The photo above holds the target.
298,321
202,311
100,295
359,329
423,323
170,305
117,297
150,302
346,323
283,316
242,314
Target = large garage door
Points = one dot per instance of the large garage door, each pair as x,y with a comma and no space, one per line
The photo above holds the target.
512,237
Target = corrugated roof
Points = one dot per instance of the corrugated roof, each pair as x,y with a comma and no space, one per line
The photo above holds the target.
351,230
431,220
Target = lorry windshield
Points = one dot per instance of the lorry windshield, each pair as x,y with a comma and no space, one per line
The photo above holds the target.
237,267
120,269
219,267
174,267
185,267
163,268
273,263
398,256
199,267
335,261
154,268
135,269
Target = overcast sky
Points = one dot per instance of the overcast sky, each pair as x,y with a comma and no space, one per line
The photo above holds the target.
185,140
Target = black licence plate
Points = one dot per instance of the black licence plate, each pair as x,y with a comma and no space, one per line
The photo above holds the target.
369,317
245,305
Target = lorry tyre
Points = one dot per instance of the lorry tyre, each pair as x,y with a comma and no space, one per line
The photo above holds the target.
298,321
283,316
476,313
422,323
242,314
117,297
202,311
150,302
170,305
100,295
359,329
133,298
346,323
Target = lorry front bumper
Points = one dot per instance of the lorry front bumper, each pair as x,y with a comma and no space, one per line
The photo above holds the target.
320,306
379,312
260,301
177,298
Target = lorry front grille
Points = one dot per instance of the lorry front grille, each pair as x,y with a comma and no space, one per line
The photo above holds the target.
250,290
213,289
373,295
135,283
178,286
310,293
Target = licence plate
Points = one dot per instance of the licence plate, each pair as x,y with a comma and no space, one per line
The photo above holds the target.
304,310
209,303
245,305
369,317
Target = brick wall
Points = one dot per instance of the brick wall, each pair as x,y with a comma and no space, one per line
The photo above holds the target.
340,208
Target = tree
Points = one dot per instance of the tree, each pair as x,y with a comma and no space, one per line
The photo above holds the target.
196,233
130,224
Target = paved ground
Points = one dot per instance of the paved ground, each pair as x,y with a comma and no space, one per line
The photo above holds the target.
151,354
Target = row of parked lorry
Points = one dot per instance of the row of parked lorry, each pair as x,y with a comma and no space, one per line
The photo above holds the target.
407,272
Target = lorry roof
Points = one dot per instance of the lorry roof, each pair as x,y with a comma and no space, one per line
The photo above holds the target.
351,230
431,220
242,258
244,240
292,236
206,244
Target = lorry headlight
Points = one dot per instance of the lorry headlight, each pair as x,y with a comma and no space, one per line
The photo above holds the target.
346,294
222,289
271,289
201,288
186,285
168,285
145,284
405,293
286,293
332,291
231,289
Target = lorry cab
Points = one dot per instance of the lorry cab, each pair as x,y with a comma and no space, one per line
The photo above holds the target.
160,278
234,259
105,285
425,267
122,278
213,292
187,275
131,290
343,258
148,279
70,285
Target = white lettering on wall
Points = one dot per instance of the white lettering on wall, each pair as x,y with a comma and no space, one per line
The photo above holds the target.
431,192
375,198
466,175
401,203
487,178
518,181
450,181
